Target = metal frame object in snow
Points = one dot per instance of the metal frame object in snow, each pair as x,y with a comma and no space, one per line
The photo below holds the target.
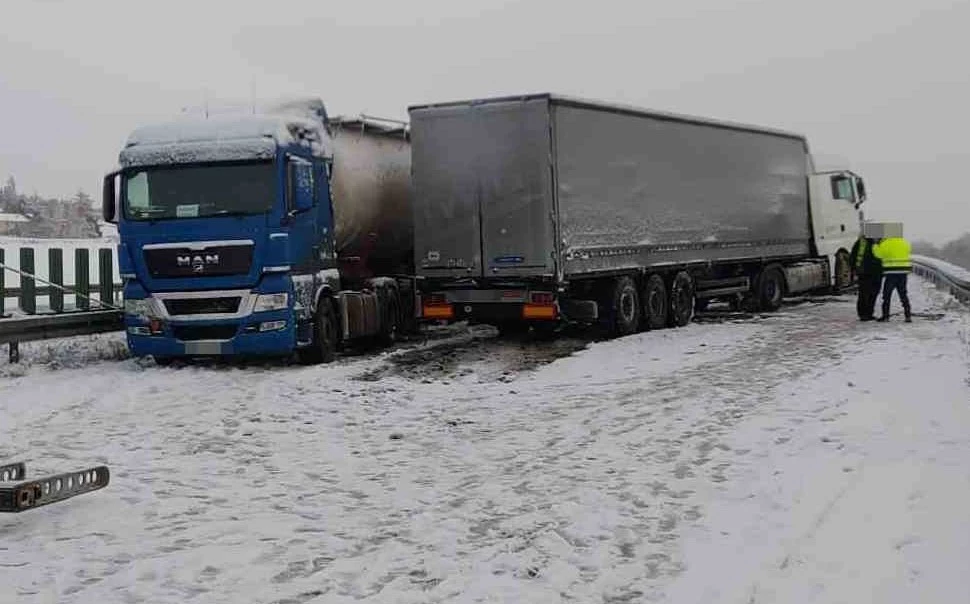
19,494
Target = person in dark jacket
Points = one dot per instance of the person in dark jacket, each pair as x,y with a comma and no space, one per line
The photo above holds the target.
868,269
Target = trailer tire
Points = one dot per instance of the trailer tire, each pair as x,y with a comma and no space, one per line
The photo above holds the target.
771,288
681,300
625,315
654,302
324,346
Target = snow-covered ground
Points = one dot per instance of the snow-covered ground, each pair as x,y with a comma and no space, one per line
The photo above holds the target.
795,457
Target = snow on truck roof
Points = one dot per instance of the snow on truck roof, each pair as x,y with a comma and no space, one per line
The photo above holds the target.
565,100
246,135
229,137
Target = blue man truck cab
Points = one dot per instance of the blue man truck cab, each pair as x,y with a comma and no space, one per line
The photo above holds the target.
273,233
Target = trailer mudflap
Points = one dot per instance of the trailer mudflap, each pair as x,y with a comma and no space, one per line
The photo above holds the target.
18,494
579,310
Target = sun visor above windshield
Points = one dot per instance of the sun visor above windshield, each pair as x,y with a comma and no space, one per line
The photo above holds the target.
197,152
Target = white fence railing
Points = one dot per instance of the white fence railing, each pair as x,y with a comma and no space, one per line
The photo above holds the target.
946,276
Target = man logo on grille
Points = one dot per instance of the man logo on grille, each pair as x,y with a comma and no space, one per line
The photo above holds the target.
198,263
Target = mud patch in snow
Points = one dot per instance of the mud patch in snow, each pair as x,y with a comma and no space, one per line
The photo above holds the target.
480,352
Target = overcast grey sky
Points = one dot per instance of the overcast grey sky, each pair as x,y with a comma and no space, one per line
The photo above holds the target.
884,85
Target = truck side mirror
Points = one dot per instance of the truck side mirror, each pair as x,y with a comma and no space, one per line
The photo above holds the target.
109,198
861,188
299,176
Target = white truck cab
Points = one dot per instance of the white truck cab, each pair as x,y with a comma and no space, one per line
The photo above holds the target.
836,198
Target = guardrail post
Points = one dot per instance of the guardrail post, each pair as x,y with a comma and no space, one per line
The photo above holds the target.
28,291
106,278
3,273
55,275
82,279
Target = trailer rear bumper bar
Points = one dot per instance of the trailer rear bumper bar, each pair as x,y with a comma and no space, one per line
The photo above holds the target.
488,305
18,494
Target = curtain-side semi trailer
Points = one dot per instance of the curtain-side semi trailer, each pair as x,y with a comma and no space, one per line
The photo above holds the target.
536,209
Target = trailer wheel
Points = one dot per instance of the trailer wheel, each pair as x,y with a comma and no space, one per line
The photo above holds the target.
681,300
654,301
324,346
626,308
771,289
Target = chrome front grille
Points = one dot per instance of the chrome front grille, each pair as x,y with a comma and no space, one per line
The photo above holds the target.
202,306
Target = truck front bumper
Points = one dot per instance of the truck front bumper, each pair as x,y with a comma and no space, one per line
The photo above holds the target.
269,334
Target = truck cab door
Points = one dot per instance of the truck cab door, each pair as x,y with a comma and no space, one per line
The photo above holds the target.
326,241
302,208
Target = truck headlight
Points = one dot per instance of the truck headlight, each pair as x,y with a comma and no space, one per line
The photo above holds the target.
141,308
267,302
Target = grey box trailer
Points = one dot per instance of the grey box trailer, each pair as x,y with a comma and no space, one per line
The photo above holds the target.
545,193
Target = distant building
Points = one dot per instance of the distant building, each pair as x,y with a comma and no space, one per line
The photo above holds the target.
11,224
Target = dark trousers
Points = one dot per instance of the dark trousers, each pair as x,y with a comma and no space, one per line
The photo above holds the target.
868,292
897,282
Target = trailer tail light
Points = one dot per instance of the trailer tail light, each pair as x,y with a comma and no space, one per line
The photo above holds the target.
439,312
436,306
542,305
536,311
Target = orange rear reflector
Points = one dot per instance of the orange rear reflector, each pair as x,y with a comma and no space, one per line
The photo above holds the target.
439,311
537,311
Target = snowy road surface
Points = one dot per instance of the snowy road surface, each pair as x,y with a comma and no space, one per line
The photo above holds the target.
797,457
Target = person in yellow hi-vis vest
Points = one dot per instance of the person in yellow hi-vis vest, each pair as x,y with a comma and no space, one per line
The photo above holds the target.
896,266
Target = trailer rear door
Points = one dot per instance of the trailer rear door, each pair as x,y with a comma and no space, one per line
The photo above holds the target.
483,189
515,180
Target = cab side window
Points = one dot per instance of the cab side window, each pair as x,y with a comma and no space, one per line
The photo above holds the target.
842,188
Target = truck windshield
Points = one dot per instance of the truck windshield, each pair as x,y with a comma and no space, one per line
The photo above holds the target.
198,191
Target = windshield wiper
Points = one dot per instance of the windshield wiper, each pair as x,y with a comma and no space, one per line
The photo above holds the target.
232,213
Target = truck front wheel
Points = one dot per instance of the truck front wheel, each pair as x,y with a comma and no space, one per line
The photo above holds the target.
626,308
681,300
843,271
324,346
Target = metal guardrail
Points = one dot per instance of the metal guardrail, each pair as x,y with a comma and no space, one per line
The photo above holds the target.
945,275
62,325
